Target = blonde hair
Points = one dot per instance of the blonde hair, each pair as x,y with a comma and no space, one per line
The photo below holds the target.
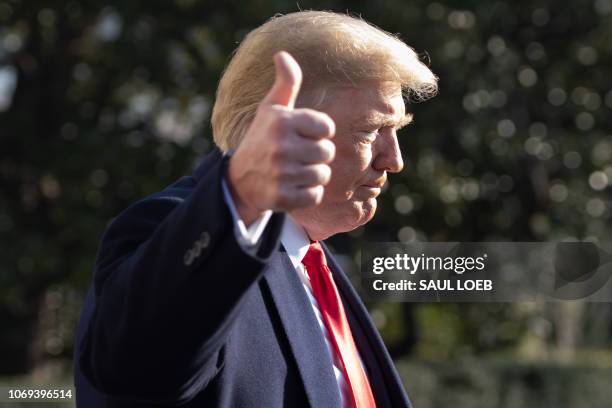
330,48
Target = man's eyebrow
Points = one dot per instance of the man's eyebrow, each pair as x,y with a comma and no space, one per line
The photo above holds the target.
378,121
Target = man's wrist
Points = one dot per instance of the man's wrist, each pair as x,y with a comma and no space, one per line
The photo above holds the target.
247,213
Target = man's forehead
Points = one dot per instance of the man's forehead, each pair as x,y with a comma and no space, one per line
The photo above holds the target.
372,102
382,109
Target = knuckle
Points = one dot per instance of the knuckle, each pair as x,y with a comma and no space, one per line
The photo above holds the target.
331,125
327,123
327,150
331,149
316,194
317,118
324,174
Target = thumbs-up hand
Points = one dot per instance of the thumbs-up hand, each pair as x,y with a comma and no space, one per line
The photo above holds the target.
282,161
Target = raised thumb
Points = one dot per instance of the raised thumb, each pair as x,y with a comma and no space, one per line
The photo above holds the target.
287,82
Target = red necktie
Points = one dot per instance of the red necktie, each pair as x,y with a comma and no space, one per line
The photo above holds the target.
325,291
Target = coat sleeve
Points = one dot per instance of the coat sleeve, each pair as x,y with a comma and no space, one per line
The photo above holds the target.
169,281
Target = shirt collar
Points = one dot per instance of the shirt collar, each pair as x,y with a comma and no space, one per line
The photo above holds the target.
295,240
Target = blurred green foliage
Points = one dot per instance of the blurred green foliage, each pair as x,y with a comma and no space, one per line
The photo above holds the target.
102,103
505,383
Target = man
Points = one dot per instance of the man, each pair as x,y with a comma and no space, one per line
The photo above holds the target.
217,290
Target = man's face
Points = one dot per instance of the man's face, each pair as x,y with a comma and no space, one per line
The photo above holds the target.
367,119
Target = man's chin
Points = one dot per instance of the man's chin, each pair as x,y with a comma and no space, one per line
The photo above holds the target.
365,211
343,218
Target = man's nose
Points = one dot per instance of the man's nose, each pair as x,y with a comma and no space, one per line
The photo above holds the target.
388,156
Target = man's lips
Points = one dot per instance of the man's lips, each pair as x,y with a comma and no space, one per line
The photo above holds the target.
373,188
379,183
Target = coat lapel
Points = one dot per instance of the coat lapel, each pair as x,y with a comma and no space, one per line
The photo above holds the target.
303,332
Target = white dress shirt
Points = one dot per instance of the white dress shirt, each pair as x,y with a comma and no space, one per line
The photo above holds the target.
296,243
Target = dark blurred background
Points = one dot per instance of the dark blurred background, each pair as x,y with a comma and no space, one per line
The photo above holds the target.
102,103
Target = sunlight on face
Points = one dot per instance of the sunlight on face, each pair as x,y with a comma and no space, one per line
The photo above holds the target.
366,120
